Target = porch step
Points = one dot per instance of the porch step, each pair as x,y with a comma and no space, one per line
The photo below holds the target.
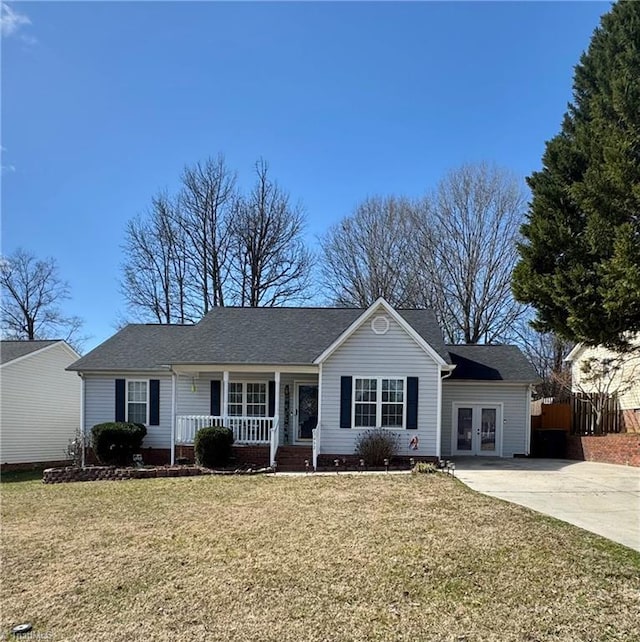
291,458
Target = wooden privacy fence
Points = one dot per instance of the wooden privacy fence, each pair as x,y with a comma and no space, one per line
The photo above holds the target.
580,417
584,413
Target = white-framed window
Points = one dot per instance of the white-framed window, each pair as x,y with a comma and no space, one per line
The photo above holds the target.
379,402
256,400
247,399
235,406
137,401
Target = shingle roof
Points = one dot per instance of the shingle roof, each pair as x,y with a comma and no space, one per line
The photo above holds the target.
490,363
283,335
10,350
272,336
137,347
240,335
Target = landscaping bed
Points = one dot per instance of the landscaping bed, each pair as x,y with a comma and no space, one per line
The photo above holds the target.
113,473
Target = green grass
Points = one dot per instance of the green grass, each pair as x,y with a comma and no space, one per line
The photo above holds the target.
333,558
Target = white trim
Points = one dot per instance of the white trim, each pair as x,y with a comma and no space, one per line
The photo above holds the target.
575,351
74,354
378,379
320,395
396,317
267,369
174,378
126,399
296,409
475,451
385,321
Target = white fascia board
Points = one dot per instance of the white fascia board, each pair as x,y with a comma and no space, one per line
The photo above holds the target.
381,302
573,355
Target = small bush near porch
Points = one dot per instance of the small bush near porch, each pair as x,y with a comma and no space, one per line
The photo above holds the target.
347,557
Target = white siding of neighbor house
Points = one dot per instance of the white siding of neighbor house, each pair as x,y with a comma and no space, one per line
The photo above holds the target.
40,406
392,354
100,405
625,381
515,400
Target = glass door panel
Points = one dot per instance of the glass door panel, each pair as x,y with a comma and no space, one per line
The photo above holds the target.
465,429
488,424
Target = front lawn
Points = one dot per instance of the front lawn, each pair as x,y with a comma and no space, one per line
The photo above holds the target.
348,557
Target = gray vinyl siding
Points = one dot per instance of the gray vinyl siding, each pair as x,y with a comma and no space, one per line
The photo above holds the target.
515,420
392,354
40,404
100,405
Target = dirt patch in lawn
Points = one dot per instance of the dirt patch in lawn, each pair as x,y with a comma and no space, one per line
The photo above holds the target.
332,558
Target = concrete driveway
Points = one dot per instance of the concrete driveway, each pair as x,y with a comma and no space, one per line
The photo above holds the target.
601,498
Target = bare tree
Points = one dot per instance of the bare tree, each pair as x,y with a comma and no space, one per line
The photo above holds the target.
469,228
155,268
371,254
547,352
32,292
271,264
205,203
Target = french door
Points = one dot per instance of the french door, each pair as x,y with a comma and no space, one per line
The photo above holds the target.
476,429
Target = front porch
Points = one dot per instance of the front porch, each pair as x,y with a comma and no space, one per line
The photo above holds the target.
264,408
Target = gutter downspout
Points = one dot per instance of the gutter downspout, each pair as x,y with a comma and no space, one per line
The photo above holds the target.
82,426
439,412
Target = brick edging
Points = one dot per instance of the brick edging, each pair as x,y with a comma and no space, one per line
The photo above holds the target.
111,473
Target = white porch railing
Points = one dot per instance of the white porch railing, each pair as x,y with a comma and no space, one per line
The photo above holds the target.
273,442
246,430
316,434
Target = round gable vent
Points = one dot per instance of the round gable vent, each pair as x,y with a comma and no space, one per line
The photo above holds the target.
380,325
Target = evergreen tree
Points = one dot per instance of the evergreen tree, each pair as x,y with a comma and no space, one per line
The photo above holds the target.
580,259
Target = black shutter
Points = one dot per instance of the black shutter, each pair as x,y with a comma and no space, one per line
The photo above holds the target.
412,403
272,399
215,398
120,400
345,402
154,402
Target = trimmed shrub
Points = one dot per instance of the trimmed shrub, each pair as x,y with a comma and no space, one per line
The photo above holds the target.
374,446
114,443
212,446
424,467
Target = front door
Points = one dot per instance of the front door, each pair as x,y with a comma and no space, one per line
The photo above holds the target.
307,410
476,429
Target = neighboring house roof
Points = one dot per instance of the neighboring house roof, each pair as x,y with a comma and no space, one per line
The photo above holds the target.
12,350
491,363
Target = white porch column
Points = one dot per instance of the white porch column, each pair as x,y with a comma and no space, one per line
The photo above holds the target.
173,417
225,396
276,405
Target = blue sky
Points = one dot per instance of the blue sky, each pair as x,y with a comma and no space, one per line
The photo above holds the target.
104,103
